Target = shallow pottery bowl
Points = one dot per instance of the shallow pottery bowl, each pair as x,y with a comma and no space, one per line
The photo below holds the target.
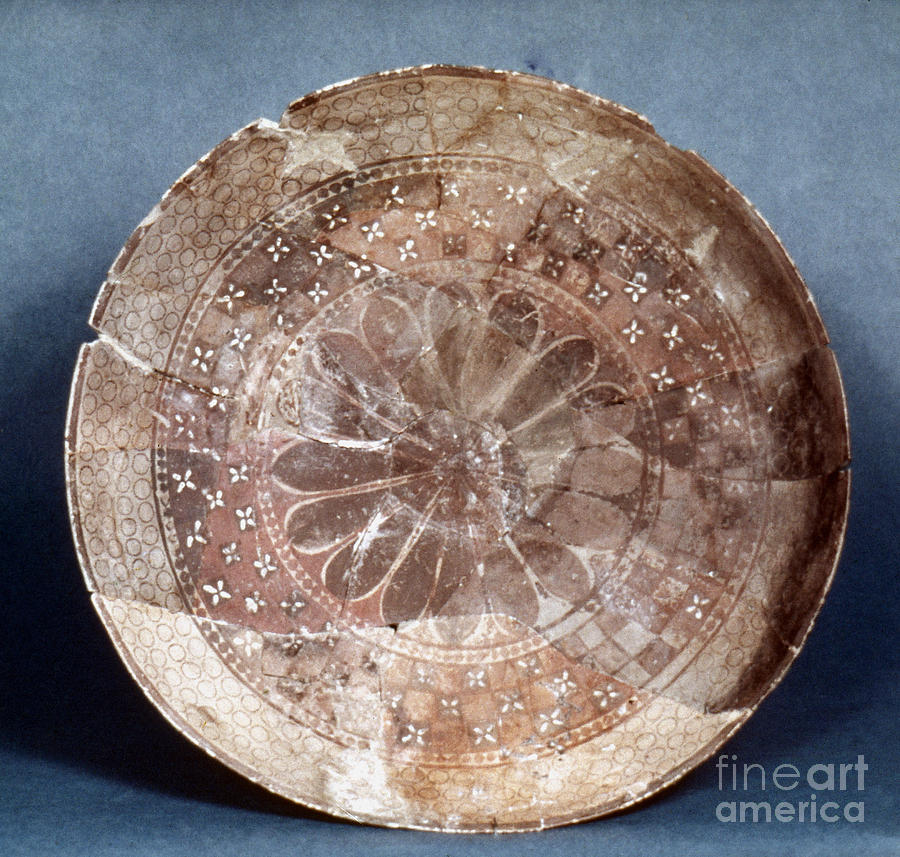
456,454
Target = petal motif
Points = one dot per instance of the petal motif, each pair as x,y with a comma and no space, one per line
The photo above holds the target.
509,588
570,362
342,392
545,446
517,316
349,362
321,410
608,470
361,566
413,582
392,332
336,573
452,349
315,525
415,565
495,364
557,568
424,383
583,520
314,466
458,569
534,394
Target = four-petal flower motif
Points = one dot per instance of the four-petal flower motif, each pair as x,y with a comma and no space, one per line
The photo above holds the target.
513,193
241,473
550,720
248,642
372,230
335,217
196,535
697,606
202,358
264,564
632,331
183,481
636,288
214,499
232,294
294,603
663,379
278,249
317,292
239,338
413,734
275,291
407,250
486,734
230,553
322,254
426,219
246,518
597,294
606,697
217,592
672,337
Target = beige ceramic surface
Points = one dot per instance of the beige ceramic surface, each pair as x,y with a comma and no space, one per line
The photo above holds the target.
456,454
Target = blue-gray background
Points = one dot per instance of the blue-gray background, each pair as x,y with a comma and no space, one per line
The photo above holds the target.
103,105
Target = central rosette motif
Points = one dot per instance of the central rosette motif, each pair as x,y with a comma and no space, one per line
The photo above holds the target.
435,454
459,473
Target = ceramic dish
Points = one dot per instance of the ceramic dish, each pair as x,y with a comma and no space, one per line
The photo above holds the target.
456,454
